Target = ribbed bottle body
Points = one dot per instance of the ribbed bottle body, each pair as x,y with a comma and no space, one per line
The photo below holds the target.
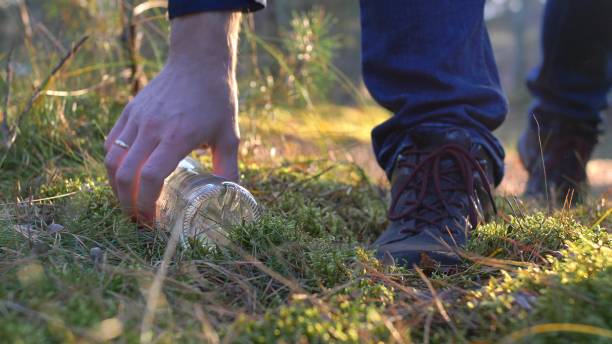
202,206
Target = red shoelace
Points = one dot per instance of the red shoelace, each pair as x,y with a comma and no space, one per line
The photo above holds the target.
428,170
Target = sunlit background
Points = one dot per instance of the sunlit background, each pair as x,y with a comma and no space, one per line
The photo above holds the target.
299,55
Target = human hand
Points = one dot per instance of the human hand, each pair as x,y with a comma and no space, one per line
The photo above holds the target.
192,102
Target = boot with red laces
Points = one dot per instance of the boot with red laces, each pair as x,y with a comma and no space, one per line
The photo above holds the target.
441,189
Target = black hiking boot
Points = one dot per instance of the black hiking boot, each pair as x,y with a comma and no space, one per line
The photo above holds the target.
565,150
440,190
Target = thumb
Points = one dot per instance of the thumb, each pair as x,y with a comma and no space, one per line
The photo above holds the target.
225,158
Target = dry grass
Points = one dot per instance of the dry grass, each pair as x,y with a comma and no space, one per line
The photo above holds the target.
73,269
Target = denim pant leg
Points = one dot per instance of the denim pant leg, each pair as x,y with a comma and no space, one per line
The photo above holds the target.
431,63
575,76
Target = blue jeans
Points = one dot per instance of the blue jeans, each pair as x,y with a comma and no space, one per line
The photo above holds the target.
430,62
573,81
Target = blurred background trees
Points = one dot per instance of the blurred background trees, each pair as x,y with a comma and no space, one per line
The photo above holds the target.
329,29
293,54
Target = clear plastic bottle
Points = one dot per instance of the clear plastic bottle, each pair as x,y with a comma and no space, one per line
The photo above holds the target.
203,206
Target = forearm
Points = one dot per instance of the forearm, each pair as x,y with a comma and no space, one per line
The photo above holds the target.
206,40
203,49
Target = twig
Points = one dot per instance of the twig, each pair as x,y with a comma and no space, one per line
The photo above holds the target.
413,293
43,85
602,218
134,42
148,5
24,14
427,330
519,335
548,201
40,199
395,334
155,290
32,313
58,45
84,91
437,301
208,331
7,97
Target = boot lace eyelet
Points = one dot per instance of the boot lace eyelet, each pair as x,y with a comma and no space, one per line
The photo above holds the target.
431,209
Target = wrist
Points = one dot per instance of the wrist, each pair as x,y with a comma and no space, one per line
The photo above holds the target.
205,39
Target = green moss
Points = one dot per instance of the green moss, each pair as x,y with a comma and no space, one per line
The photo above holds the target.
354,316
574,289
530,237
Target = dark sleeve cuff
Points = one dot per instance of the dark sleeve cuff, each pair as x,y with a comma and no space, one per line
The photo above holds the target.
178,8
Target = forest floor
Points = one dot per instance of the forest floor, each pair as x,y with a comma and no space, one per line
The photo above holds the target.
73,269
